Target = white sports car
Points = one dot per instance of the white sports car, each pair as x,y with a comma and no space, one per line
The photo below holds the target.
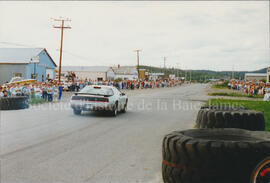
99,98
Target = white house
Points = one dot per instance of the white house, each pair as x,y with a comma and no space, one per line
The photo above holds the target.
255,76
126,72
155,76
100,73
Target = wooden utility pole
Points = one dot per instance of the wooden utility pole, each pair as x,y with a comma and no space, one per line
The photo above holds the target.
178,68
62,27
233,72
138,63
164,60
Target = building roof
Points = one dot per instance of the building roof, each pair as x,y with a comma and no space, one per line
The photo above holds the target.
125,70
86,68
20,55
256,74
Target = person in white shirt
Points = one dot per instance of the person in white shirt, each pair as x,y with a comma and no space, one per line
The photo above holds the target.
38,91
50,93
1,92
267,93
14,90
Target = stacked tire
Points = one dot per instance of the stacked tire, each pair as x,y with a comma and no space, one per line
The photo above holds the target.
227,146
213,155
228,117
14,103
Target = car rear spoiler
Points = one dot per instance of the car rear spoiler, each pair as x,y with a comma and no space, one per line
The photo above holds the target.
78,93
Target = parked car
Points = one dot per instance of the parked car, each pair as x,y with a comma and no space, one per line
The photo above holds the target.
99,98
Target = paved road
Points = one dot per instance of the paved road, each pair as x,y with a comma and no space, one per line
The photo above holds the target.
49,144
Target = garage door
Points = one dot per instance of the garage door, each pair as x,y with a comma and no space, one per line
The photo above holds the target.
50,73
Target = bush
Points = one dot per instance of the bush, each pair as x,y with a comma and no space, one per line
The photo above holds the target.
221,86
35,101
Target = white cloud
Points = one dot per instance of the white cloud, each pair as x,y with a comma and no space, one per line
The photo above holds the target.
199,35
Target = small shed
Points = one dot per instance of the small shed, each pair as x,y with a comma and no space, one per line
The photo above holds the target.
27,63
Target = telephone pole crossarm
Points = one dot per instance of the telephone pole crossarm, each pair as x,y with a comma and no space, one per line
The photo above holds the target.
62,27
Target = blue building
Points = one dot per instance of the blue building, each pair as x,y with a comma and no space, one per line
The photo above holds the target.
28,63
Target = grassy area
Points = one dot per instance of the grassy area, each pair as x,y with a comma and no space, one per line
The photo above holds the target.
234,95
35,101
221,86
251,105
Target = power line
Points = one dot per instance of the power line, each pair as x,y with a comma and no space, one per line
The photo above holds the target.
17,44
62,27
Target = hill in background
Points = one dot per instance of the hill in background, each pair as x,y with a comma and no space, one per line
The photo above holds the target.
201,75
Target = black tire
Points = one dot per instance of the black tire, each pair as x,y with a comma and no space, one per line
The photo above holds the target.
212,155
14,103
77,111
114,112
243,119
125,107
223,107
258,176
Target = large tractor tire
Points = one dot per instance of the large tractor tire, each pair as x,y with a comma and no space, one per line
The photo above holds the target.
14,103
212,155
223,107
220,118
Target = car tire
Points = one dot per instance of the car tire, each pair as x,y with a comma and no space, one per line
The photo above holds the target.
125,107
212,155
114,112
243,119
77,112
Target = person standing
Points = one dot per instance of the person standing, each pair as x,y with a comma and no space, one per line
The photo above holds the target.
44,92
37,91
5,92
267,93
1,92
50,93
77,85
60,91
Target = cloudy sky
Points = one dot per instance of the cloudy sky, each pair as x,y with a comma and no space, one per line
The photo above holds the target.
193,35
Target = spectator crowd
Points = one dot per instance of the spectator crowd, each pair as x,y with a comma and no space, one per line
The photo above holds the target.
251,88
52,90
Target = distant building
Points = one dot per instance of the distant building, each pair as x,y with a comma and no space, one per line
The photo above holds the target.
27,63
99,73
172,76
255,76
268,75
126,72
155,76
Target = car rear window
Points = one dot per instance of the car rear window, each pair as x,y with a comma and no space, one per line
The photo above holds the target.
97,90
